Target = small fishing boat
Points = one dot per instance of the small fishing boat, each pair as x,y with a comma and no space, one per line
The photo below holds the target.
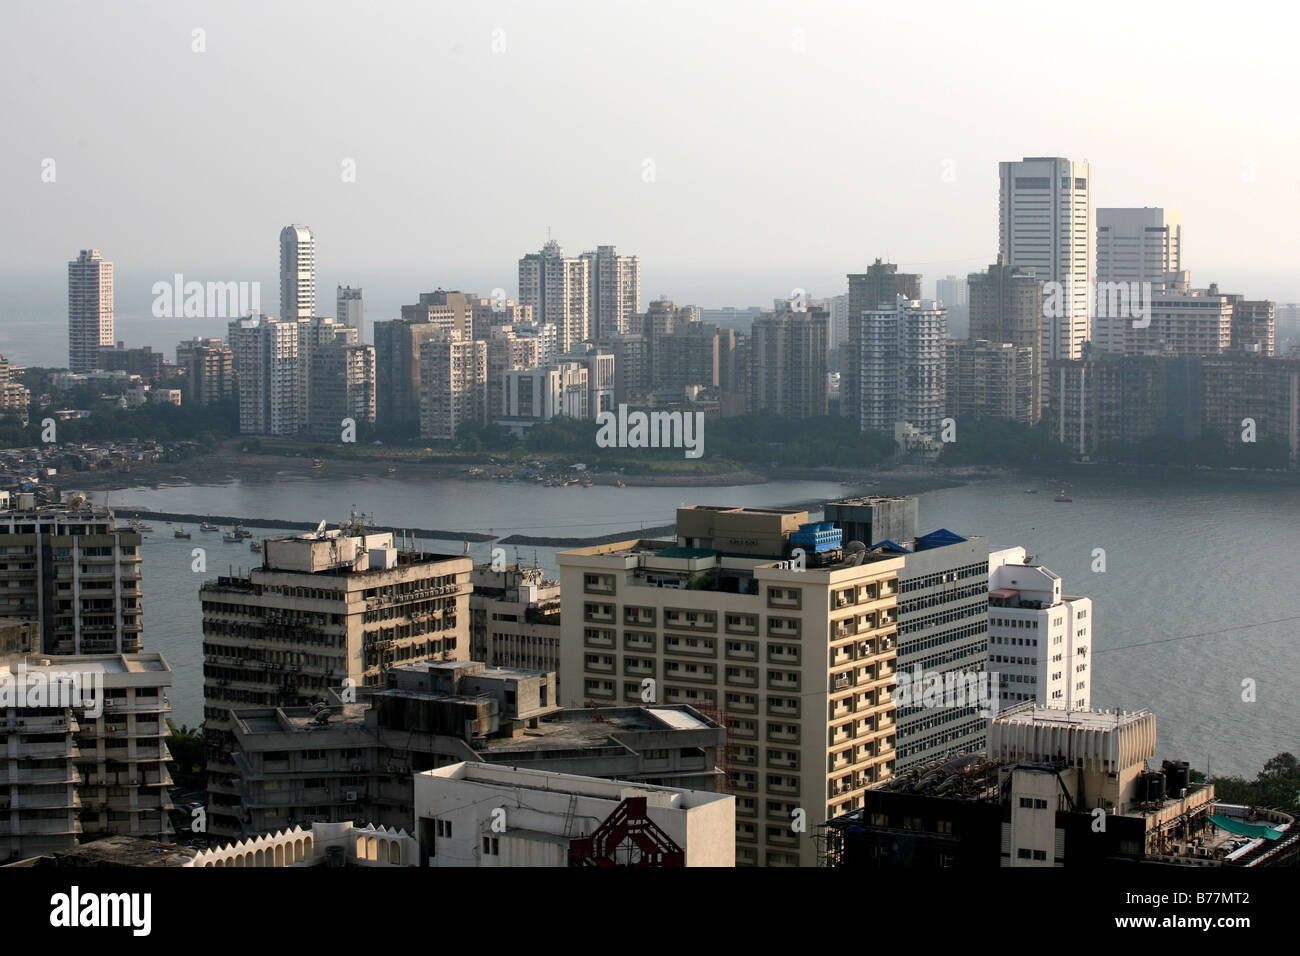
242,532
1063,497
180,532
230,537
208,526
255,546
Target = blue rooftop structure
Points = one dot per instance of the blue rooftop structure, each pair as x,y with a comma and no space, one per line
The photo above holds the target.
938,539
817,536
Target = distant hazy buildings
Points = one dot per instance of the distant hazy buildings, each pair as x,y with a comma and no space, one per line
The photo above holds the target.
1006,306
297,273
951,292
900,361
1139,245
1045,223
343,387
90,309
878,287
453,384
350,308
209,367
990,380
788,364
271,384
558,290
614,291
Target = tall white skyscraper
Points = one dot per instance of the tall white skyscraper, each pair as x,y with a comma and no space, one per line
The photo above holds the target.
614,291
350,310
1045,223
90,309
558,289
1139,245
297,273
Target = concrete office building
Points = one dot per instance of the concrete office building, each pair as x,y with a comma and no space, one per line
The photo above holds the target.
515,617
297,273
943,637
324,609
506,352
1183,321
1045,224
90,309
1040,639
558,291
798,661
74,572
880,286
342,762
1254,326
1139,244
535,395
555,819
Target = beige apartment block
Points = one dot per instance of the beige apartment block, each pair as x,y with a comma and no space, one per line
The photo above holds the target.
326,611
796,662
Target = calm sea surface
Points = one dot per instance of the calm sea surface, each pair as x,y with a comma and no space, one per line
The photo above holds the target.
1201,589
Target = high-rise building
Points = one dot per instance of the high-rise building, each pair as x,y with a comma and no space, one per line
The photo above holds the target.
351,308
297,273
613,291
797,658
534,395
1006,305
1139,244
515,617
86,765
1181,321
325,610
900,362
506,352
1045,224
397,368
90,309
1040,639
15,398
488,314
558,291
952,293
788,375
209,366
453,384
71,569
878,287
1254,326
342,387
990,380
271,382
446,310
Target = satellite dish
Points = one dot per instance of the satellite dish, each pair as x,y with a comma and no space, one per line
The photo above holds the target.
320,528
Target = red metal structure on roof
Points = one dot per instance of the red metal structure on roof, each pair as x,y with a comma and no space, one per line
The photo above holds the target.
627,837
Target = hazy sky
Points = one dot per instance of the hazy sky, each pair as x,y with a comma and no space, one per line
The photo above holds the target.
791,143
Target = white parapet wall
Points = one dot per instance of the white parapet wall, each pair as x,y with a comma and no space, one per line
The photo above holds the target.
368,846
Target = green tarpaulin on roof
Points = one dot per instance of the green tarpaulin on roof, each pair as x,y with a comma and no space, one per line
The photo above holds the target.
1245,829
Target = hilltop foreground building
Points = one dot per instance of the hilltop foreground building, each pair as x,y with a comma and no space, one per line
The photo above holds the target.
327,610
1035,799
794,654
